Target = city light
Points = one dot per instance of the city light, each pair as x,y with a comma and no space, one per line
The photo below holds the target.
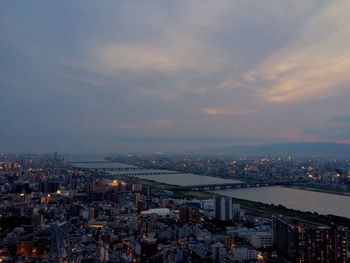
175,131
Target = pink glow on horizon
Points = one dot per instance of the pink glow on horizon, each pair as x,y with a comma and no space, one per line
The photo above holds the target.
296,136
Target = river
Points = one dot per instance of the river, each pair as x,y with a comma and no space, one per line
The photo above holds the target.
303,200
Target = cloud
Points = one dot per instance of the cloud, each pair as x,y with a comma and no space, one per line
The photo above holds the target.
335,129
159,123
315,65
342,119
164,123
180,46
228,111
211,69
333,133
166,56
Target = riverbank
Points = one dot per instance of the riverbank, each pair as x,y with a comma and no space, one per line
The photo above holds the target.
254,206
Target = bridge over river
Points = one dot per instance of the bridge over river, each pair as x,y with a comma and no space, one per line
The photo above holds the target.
213,187
100,166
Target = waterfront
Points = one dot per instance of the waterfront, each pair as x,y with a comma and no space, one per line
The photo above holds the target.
303,200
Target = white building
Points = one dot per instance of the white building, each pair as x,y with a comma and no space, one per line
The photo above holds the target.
260,239
157,211
207,204
242,253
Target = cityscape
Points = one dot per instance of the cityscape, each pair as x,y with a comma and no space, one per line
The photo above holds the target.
159,208
179,131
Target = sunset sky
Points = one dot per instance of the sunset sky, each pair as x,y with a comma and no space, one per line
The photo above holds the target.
136,76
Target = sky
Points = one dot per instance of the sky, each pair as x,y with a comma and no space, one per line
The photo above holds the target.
145,76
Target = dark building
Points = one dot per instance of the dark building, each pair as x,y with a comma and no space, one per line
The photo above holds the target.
20,187
308,243
48,187
189,215
148,248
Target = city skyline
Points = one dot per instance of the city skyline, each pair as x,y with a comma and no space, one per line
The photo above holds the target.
129,76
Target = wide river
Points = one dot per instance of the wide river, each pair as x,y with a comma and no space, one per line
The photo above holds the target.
303,200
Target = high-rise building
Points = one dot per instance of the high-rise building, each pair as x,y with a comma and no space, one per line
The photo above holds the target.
236,211
307,243
224,209
189,215
48,187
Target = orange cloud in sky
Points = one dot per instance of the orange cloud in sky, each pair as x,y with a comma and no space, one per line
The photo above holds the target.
315,65
228,111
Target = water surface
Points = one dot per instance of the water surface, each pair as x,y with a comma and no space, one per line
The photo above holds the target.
322,203
186,179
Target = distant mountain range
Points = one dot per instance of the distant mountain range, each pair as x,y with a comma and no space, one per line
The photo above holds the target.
318,149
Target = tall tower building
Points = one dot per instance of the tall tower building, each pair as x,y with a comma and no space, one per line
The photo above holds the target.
223,208
308,243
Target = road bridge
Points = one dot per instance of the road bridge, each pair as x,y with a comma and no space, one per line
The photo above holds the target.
214,187
88,162
109,169
104,167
